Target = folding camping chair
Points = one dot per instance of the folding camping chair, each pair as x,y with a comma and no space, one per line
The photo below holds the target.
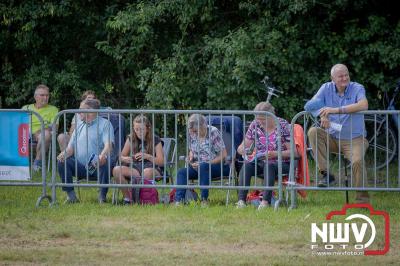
299,171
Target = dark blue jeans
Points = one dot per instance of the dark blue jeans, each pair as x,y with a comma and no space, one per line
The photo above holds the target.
205,175
248,170
66,175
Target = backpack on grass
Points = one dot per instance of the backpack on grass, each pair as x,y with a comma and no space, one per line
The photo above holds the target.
144,195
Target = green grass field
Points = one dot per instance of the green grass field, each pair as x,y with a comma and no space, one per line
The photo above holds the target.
92,234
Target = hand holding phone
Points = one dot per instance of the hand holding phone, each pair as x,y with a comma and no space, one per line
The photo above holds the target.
139,156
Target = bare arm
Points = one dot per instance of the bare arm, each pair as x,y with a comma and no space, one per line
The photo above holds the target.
240,149
190,156
69,151
220,157
71,129
158,159
125,156
73,124
105,152
246,143
285,153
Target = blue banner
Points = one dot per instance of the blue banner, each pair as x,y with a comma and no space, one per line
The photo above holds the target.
14,146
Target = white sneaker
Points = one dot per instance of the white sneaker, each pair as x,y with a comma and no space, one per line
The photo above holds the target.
262,205
178,204
204,204
240,204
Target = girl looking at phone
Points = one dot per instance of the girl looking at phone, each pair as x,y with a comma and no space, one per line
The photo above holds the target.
142,155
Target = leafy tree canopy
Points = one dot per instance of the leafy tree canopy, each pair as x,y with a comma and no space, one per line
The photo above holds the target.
204,54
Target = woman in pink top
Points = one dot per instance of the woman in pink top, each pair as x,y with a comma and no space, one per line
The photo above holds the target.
260,146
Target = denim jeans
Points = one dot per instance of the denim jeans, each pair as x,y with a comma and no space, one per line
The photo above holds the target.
67,174
205,176
262,169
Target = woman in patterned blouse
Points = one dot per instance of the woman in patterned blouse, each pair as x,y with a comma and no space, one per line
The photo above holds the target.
260,147
206,157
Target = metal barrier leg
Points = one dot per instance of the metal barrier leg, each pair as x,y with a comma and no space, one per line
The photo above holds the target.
346,180
39,201
293,199
115,194
49,158
228,193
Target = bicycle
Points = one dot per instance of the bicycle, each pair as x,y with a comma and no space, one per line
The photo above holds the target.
383,140
270,88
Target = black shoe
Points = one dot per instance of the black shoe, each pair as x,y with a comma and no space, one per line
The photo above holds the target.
323,182
102,199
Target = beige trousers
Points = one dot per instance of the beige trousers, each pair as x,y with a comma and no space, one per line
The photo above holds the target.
353,150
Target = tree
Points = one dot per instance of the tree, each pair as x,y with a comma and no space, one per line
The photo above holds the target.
204,54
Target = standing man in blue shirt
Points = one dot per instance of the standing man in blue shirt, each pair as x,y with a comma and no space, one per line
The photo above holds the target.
342,130
93,136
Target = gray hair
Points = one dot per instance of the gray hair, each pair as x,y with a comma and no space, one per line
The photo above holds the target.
92,103
337,67
265,106
41,87
197,121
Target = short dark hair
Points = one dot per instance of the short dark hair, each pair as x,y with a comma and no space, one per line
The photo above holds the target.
92,103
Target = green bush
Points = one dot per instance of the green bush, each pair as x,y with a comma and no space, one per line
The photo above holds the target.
204,54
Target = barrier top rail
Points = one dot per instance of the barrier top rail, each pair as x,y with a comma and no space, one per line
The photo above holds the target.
160,111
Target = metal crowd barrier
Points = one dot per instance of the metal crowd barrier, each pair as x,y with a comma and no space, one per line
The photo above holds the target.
380,157
31,180
172,124
381,166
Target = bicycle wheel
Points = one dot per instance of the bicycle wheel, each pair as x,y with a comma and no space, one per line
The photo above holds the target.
382,143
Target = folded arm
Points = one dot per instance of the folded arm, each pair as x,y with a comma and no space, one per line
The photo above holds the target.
348,109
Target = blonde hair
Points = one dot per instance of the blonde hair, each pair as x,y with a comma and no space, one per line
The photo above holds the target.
87,93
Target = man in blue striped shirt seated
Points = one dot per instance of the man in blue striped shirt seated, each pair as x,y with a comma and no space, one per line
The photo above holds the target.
93,136
340,127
